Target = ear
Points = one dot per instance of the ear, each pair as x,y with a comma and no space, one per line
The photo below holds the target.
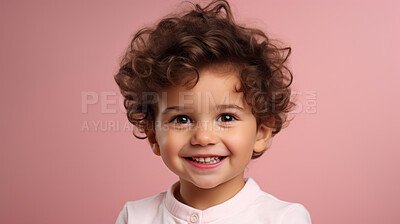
264,133
151,136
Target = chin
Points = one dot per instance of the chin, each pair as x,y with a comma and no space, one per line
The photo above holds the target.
206,184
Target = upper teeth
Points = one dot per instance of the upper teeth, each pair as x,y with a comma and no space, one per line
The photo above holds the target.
206,160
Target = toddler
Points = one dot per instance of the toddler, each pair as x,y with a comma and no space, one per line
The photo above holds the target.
208,94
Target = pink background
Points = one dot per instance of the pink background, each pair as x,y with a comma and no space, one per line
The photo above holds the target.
338,157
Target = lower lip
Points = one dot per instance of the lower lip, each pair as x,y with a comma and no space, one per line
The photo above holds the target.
205,166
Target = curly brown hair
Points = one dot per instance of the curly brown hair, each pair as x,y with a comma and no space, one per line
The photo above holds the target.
172,52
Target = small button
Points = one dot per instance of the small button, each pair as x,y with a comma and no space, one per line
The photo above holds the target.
194,218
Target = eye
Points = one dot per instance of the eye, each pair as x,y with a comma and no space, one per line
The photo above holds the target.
226,118
181,119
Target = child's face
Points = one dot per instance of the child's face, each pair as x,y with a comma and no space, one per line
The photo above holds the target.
209,122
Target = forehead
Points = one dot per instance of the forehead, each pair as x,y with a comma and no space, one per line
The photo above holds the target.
217,84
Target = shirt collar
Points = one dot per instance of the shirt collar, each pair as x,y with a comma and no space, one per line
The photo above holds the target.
239,202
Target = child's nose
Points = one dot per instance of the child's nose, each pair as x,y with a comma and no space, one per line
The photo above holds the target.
203,136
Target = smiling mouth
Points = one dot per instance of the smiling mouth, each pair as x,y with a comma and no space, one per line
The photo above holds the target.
206,160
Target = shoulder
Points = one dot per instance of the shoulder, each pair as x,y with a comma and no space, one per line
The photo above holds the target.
140,209
146,203
280,211
296,214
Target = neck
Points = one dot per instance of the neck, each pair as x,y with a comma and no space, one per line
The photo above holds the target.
202,199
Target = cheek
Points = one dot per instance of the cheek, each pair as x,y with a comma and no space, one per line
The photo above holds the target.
170,142
240,141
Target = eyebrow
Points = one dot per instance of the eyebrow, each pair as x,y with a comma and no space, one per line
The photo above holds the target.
219,107
229,106
176,108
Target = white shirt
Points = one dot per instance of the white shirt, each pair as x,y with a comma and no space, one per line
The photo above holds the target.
251,205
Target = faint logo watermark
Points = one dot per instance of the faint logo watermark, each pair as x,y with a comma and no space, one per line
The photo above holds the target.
110,103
